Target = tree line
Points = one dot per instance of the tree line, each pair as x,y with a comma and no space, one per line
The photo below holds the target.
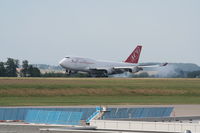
12,68
9,69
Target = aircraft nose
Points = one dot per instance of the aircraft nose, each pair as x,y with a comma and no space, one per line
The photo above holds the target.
61,63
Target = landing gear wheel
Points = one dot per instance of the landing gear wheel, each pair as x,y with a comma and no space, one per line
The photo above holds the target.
68,72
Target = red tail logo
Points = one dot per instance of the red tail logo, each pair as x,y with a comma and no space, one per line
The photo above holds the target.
134,57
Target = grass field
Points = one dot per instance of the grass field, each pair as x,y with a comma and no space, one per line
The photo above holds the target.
97,91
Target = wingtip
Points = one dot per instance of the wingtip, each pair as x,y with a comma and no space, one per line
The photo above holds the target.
165,64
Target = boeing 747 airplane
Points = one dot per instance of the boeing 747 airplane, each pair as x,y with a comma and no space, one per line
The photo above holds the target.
97,68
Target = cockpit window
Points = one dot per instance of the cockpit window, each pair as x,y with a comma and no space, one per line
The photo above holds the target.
67,57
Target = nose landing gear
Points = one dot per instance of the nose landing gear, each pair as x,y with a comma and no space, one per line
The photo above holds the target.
68,72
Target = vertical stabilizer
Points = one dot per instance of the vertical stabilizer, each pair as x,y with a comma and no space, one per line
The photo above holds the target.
134,57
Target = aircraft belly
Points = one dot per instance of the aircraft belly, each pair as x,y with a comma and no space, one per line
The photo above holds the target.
80,67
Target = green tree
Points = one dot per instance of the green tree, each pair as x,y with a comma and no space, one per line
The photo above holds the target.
30,70
2,70
33,71
11,66
194,74
24,71
36,72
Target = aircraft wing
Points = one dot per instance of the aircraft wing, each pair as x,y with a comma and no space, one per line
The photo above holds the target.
115,70
99,69
132,69
111,70
152,64
150,67
140,67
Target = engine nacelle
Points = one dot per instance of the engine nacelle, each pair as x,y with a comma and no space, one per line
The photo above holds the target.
110,71
135,69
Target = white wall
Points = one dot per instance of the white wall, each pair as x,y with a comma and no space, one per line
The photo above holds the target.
146,126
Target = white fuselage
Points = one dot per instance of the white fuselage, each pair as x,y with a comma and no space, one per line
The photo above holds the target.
88,65
105,68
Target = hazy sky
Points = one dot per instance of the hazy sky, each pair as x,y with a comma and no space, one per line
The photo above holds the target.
45,31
